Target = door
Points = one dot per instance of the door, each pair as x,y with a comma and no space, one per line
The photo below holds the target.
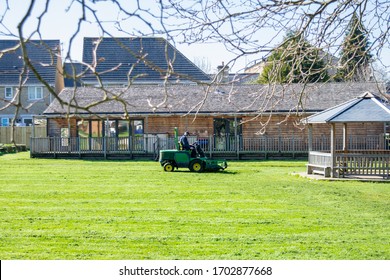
226,133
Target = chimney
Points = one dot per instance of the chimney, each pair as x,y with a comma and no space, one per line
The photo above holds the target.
222,73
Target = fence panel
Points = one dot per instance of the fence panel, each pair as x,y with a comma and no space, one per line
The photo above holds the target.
21,134
320,159
367,164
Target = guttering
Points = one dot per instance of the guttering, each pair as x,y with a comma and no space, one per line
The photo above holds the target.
164,114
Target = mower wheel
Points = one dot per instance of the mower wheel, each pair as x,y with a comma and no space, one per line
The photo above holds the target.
196,165
168,167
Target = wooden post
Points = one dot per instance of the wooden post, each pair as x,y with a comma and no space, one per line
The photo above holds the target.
310,137
236,137
105,140
333,149
146,134
310,147
33,127
345,137
131,146
211,141
32,137
385,147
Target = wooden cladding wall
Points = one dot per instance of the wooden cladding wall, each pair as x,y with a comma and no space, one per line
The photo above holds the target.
203,126
54,127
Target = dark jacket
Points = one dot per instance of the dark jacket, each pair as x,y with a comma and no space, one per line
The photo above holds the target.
184,143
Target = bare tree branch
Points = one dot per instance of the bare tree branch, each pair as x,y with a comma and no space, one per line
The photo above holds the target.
246,28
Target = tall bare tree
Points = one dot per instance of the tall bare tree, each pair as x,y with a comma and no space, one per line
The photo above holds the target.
248,29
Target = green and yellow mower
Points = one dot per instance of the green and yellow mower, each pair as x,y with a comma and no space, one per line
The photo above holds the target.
171,159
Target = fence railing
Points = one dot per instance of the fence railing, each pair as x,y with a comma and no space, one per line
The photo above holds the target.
378,142
320,159
152,144
363,164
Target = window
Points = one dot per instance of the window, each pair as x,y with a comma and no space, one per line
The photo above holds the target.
27,122
96,129
123,129
5,121
83,133
137,127
35,93
8,93
64,137
110,128
226,132
83,129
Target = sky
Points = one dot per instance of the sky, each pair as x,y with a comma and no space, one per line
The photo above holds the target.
61,22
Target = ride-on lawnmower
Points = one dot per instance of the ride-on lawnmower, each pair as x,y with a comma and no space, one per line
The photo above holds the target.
171,159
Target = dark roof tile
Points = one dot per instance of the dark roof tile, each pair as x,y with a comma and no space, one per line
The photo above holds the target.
364,108
180,99
150,58
42,55
71,70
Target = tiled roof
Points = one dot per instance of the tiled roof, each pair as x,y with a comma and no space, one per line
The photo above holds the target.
71,70
144,59
180,99
42,55
365,108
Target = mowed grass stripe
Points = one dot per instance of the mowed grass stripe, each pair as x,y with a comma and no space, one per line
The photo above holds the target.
77,209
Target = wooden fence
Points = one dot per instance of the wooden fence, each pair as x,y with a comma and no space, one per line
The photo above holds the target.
21,134
363,164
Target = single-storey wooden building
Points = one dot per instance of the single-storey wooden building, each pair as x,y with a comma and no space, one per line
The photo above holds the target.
240,121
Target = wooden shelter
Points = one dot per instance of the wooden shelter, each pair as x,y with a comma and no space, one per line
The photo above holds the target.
342,159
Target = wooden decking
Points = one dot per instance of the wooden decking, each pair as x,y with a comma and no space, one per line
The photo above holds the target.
148,146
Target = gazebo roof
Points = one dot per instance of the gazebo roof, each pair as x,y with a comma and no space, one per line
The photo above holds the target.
365,108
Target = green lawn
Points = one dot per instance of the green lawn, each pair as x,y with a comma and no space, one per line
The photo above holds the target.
78,209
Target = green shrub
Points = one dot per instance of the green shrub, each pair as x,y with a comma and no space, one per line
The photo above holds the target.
11,148
8,148
21,147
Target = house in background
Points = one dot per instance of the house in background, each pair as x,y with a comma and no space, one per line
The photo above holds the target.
19,85
119,62
133,60
243,120
70,72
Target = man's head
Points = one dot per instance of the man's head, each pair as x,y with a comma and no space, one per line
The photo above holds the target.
186,133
